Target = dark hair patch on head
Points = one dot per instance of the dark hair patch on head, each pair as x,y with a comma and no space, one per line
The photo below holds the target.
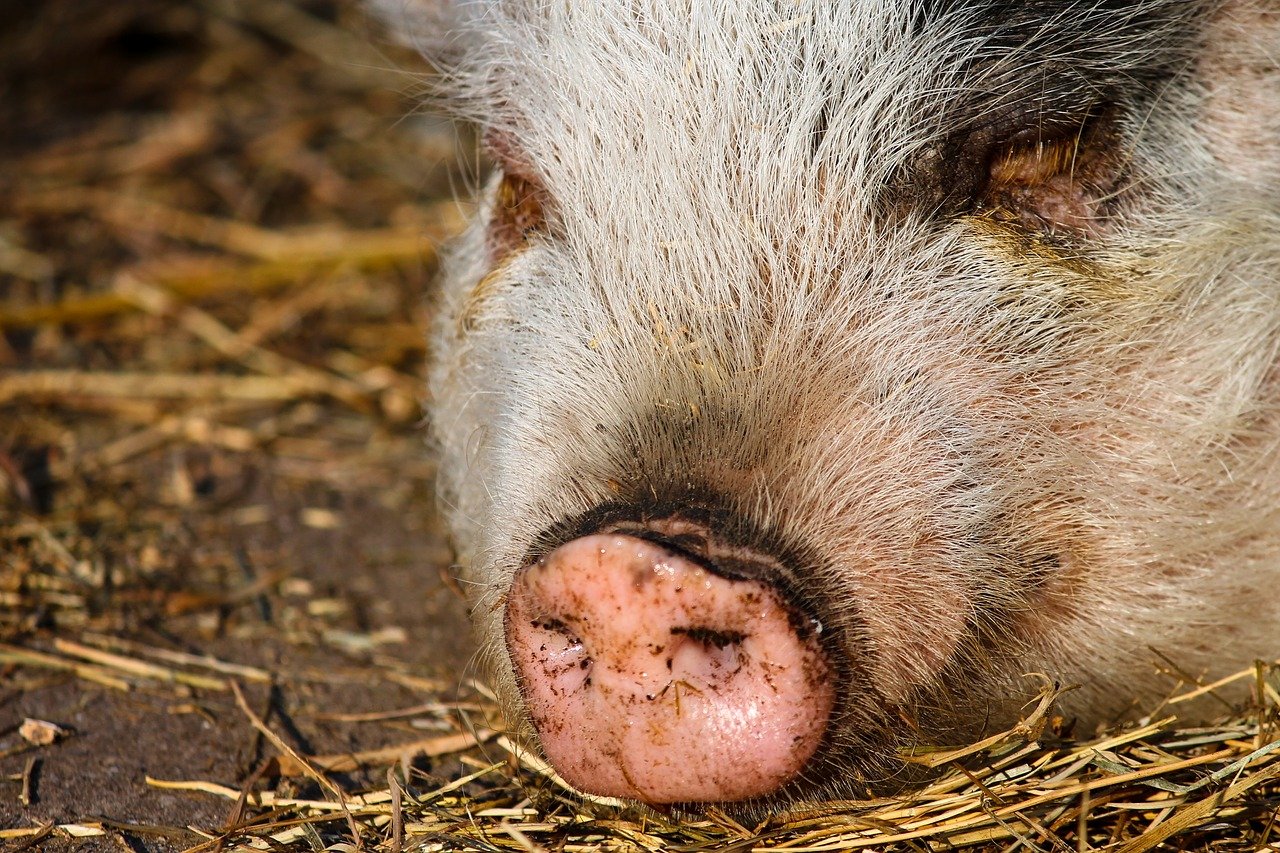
1047,97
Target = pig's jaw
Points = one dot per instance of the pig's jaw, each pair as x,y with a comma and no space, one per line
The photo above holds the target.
649,677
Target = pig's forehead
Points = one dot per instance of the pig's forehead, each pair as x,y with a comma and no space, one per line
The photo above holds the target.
632,56
859,89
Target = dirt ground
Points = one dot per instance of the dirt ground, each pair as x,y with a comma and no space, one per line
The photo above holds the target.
231,211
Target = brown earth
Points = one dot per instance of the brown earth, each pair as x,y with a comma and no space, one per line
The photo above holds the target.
195,195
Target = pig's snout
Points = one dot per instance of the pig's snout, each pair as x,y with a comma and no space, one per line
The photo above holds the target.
650,677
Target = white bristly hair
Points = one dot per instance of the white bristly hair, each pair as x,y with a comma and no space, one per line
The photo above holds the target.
774,268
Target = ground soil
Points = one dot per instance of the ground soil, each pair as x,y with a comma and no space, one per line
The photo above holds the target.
295,532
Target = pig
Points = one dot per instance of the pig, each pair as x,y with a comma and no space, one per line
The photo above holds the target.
814,370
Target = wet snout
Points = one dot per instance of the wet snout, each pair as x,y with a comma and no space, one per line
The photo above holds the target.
649,675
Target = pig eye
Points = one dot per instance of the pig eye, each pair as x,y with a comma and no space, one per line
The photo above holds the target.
519,210
1057,179
517,214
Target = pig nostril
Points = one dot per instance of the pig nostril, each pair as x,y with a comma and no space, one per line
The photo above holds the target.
706,655
555,626
560,645
562,630
710,637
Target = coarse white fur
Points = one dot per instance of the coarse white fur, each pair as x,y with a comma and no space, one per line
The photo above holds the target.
1004,452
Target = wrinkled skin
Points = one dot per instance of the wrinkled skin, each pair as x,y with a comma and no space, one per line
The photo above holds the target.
954,323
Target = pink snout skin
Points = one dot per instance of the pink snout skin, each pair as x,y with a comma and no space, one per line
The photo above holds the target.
650,678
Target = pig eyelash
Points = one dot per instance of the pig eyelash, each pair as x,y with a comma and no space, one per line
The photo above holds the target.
520,200
518,214
1061,180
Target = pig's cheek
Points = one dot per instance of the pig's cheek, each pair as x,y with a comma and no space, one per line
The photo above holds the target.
915,633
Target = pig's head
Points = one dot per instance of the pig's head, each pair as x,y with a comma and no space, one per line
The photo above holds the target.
815,370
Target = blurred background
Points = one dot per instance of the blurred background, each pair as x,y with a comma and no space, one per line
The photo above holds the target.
219,222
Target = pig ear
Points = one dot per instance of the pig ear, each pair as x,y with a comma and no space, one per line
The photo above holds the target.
450,35
1239,70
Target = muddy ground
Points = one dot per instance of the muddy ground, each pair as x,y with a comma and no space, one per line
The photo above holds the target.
218,225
